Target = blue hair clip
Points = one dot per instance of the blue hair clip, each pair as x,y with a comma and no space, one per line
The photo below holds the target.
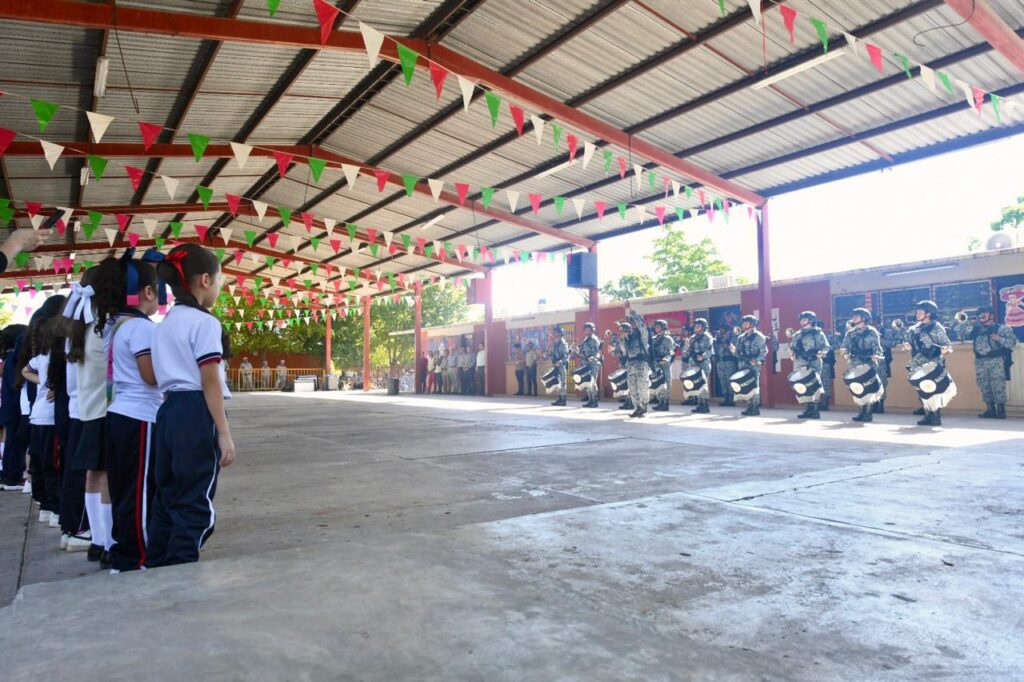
132,276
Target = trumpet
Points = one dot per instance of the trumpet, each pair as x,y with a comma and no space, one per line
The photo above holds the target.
961,317
850,324
897,324
737,330
789,332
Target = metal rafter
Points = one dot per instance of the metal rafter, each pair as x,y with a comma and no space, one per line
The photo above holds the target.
993,28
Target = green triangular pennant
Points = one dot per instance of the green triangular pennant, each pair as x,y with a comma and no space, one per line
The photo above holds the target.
996,101
270,261
556,133
946,81
6,214
680,213
272,6
449,249
428,251
205,194
316,167
486,194
176,228
250,237
373,249
314,267
906,65
822,30
315,242
45,111
524,256
22,259
652,180
199,144
718,204
493,106
559,204
351,230
689,192
721,7
608,156
406,241
622,211
220,253
409,180
88,230
159,241
408,59
97,164
286,215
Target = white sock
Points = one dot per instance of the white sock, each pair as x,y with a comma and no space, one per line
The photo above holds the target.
92,510
108,525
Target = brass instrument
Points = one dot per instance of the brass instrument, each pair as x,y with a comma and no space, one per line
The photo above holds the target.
961,317
737,330
790,333
850,324
897,324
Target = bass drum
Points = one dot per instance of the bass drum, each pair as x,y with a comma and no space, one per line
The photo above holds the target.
657,379
693,379
934,386
618,381
743,382
550,380
806,383
582,377
864,383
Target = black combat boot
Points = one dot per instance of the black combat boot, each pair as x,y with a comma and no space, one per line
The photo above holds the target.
560,402
989,413
931,419
728,402
1000,410
755,407
824,406
641,412
690,401
815,412
808,412
879,407
662,406
866,414
919,411
627,405
635,413
937,418
703,407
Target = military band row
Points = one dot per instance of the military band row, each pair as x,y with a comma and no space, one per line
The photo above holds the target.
646,356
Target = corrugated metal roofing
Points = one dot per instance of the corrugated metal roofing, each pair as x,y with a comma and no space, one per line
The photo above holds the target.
57,63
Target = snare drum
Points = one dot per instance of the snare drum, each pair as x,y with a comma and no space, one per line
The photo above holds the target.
693,379
582,377
743,382
657,379
934,385
550,380
864,383
618,381
805,383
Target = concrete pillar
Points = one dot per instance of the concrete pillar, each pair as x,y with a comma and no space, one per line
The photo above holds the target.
418,340
366,343
764,298
327,343
494,363
595,300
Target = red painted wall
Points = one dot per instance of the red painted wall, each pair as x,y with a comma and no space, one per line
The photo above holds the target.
791,300
607,317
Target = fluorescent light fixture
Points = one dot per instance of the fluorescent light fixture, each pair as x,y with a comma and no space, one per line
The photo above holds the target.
897,273
552,171
102,71
799,68
430,223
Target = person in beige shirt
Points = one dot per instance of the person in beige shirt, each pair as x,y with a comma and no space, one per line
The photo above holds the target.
519,358
530,360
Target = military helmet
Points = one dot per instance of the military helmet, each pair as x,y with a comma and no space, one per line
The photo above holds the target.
589,325
702,322
984,309
750,318
625,325
559,331
809,315
864,314
661,323
929,307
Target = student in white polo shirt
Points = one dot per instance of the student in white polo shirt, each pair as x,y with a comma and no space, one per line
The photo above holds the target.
192,438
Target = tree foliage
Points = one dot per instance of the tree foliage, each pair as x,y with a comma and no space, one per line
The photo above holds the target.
294,338
631,285
1011,218
682,265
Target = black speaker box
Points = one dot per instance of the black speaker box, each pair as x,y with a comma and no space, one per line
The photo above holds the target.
581,271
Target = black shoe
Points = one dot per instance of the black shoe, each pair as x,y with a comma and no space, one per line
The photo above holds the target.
867,413
559,403
592,403
928,420
703,407
919,411
859,417
628,405
815,412
662,406
879,407
755,411
823,407
989,413
519,393
690,401
937,418
1000,410
635,413
94,553
806,414
106,561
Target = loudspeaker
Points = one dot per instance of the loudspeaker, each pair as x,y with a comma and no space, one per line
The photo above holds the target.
581,271
479,292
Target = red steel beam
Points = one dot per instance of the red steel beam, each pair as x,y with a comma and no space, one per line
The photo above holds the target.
1000,35
114,149
270,33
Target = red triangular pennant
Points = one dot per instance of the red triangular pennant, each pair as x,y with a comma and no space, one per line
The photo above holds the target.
535,200
462,189
875,53
622,167
233,201
150,131
518,116
135,176
201,230
382,179
6,137
307,220
789,18
33,208
600,206
336,245
283,161
438,74
122,221
272,238
326,13
573,142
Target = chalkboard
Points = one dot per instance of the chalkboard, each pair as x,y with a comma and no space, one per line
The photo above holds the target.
843,305
901,303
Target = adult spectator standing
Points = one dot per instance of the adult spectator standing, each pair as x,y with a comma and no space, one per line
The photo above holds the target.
481,370
530,360
431,366
520,360
265,376
246,371
421,374
282,375
467,365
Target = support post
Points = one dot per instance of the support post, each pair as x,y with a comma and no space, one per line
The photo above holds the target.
328,334
418,342
764,298
595,307
366,343
489,346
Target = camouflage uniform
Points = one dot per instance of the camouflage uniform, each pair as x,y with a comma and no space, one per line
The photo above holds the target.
560,360
828,369
808,347
699,351
863,346
751,350
663,349
638,369
990,368
591,348
725,364
926,344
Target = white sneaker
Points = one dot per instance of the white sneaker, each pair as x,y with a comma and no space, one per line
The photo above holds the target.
44,516
64,541
18,488
54,520
79,543
114,571
27,488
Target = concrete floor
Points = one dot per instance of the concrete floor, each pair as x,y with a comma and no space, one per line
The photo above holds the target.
375,538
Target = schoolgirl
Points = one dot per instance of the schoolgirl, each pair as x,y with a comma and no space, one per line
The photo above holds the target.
15,442
74,522
132,411
192,439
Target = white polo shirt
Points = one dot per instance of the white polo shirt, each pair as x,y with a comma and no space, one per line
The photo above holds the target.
92,376
42,409
131,339
186,340
71,374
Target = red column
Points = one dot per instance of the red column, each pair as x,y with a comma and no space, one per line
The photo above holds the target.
764,298
418,342
366,343
489,345
595,300
327,345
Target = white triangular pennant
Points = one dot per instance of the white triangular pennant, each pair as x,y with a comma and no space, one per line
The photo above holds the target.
225,234
65,215
438,250
351,175
261,209
928,76
513,199
968,92
851,42
435,188
241,152
149,224
638,170
111,234
675,188
388,236
356,246
51,151
170,184
589,148
755,10
467,87
36,220
538,127
329,224
372,39
99,124
578,204
641,213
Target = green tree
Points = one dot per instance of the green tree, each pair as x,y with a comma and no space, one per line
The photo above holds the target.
295,337
685,266
631,285
1011,218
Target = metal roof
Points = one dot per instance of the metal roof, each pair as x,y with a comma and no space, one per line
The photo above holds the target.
677,75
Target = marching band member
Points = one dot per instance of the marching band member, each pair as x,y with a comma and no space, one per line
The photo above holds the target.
638,369
993,343
619,351
725,363
809,346
751,348
890,338
828,367
663,349
699,351
928,342
862,345
560,360
590,353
